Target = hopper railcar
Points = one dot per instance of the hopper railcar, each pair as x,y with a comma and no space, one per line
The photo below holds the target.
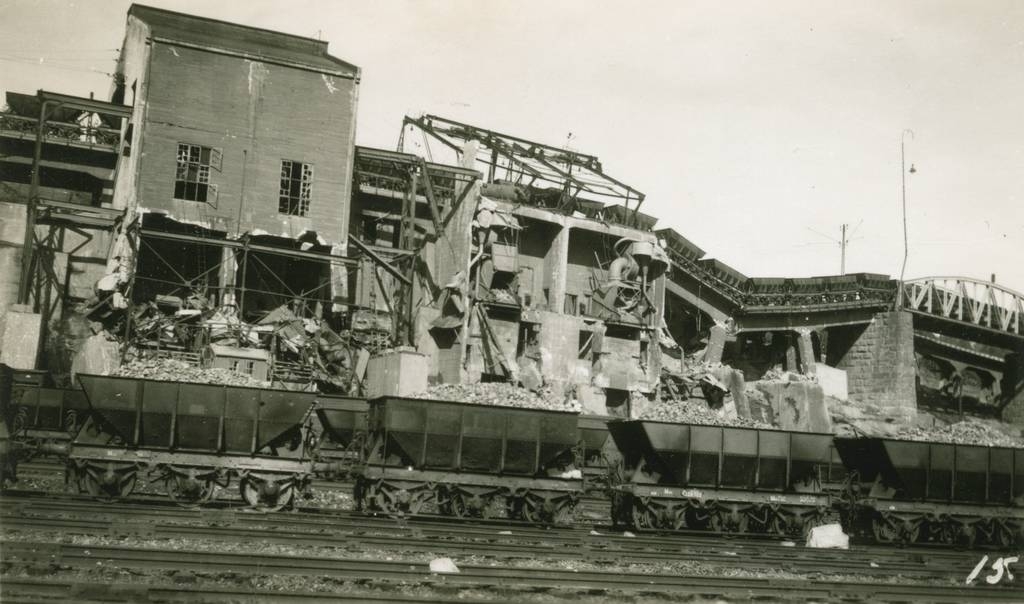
724,479
468,460
38,419
917,491
195,437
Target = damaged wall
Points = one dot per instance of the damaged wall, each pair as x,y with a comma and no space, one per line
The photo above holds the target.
257,115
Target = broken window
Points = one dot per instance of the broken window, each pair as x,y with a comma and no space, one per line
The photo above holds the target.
241,366
192,179
296,188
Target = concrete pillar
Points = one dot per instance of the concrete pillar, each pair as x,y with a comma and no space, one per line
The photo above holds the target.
556,270
716,345
226,276
791,364
805,347
339,280
881,367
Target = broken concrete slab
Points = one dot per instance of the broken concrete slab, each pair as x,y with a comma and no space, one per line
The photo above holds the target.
96,356
19,337
396,373
833,382
797,405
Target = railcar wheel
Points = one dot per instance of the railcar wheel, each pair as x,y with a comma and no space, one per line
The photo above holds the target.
565,513
779,525
679,518
911,531
531,511
265,497
456,505
514,508
643,517
1004,535
743,526
109,487
188,491
884,530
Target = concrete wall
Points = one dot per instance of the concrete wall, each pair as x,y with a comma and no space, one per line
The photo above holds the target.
583,271
536,241
258,114
880,365
12,236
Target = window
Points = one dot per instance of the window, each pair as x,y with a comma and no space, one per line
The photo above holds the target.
192,180
242,366
296,188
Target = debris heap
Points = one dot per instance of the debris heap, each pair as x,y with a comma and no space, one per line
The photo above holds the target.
967,432
179,371
696,412
500,394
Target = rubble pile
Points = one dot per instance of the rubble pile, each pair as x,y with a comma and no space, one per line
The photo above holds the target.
696,412
776,374
179,371
966,432
500,394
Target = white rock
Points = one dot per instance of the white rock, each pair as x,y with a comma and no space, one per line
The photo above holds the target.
788,544
828,536
628,534
443,565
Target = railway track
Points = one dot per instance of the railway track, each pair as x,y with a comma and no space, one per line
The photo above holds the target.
505,540
476,576
28,590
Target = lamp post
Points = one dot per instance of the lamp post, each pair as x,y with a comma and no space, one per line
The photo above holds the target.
903,183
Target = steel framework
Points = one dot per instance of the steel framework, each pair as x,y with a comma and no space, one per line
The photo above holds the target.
524,162
965,300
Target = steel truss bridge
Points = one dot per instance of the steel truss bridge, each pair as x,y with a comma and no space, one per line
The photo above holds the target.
971,302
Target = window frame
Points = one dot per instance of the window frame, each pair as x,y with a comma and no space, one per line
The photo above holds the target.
295,195
193,166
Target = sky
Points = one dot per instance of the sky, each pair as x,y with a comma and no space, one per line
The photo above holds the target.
755,129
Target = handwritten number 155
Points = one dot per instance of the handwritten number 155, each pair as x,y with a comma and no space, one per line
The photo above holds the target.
1000,566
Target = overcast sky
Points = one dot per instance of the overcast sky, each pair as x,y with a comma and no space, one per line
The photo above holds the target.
754,128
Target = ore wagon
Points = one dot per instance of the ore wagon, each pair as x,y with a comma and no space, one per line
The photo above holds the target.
193,438
684,476
468,460
38,418
916,491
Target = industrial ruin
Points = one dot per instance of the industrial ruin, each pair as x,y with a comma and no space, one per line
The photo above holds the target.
472,344
215,226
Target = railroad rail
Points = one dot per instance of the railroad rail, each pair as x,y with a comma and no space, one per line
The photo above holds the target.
27,589
474,576
485,539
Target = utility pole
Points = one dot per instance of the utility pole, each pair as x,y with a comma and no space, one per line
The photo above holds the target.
903,184
842,248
